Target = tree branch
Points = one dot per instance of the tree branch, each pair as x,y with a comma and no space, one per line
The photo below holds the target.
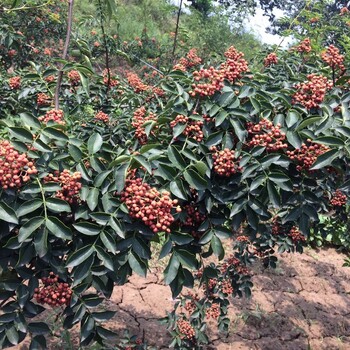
65,52
177,29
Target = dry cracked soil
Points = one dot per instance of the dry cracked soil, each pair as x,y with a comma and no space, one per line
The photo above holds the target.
302,304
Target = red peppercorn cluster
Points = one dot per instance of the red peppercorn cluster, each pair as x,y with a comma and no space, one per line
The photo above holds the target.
236,264
225,162
234,66
112,81
11,53
50,78
296,235
307,154
314,20
15,167
15,83
270,59
149,205
243,239
213,311
344,11
226,287
304,46
74,77
136,83
138,121
207,82
193,219
192,59
185,329
56,115
70,185
43,99
339,199
267,135
53,292
190,305
333,58
193,128
103,117
312,92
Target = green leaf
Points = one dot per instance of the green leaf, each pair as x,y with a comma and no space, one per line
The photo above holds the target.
170,271
106,260
38,343
330,140
217,247
141,248
12,335
58,228
195,180
294,139
177,189
292,118
143,162
55,134
7,214
57,205
29,227
38,328
87,228
94,143
92,198
176,158
308,121
325,159
75,152
21,134
108,241
187,259
79,256
137,265
29,120
273,194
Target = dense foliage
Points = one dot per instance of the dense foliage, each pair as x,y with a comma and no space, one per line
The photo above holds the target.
187,159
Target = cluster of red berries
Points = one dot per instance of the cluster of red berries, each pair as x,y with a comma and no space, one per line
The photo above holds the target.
136,83
344,11
314,20
70,185
74,77
225,162
50,78
190,305
192,59
15,167
296,235
15,83
233,262
226,287
103,117
270,59
12,53
307,154
312,92
234,66
333,58
193,219
193,128
243,239
112,82
43,99
267,135
207,82
53,292
213,311
138,121
304,46
149,205
185,329
339,199
56,115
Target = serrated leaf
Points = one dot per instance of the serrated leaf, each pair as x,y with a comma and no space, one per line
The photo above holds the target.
79,256
325,159
58,228
57,205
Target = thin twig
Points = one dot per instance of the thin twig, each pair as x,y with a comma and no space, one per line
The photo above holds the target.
106,49
65,52
177,29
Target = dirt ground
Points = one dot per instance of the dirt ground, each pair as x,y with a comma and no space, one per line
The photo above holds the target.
303,304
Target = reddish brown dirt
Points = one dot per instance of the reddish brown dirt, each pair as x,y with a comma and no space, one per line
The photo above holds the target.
303,304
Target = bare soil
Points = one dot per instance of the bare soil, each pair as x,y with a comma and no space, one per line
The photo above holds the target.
303,304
